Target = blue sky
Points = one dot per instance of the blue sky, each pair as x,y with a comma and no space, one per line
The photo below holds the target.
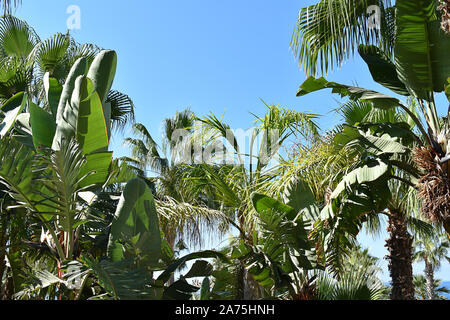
208,55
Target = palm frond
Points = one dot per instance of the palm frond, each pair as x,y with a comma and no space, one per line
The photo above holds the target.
329,32
122,110
8,5
190,222
17,38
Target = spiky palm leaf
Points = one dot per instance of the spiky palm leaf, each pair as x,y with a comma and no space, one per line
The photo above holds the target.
329,32
190,222
122,109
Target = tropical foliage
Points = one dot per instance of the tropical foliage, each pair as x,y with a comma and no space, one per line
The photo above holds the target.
78,224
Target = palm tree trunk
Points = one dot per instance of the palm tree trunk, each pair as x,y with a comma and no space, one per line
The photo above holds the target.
429,274
400,250
3,240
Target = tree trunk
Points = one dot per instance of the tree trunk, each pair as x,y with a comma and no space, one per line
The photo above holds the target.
400,250
3,240
429,274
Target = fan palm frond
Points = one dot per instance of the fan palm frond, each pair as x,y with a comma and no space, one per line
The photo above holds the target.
17,38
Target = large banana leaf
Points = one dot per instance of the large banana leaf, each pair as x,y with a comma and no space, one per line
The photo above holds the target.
378,99
383,70
92,132
136,218
421,50
299,196
13,102
53,90
102,72
79,68
369,172
11,116
43,126
98,167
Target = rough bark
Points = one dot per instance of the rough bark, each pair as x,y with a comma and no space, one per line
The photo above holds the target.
3,239
429,275
400,250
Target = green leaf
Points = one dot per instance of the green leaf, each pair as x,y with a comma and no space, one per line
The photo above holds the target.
52,51
136,215
119,281
43,126
17,38
299,196
79,68
98,165
92,132
373,170
200,268
13,102
378,99
165,276
53,90
421,50
383,70
205,290
102,72
11,116
263,203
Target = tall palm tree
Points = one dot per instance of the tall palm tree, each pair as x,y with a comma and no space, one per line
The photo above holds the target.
431,250
235,173
420,283
401,209
400,61
182,217
326,163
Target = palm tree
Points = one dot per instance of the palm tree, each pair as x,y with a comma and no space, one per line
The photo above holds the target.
233,174
182,217
403,66
420,283
327,162
359,280
431,250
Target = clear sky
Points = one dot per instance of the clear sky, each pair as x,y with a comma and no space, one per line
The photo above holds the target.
208,55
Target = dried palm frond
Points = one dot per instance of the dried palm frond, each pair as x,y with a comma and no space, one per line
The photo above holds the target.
434,187
445,7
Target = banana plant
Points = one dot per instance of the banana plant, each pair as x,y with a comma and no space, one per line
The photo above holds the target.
280,256
419,68
79,159
137,248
